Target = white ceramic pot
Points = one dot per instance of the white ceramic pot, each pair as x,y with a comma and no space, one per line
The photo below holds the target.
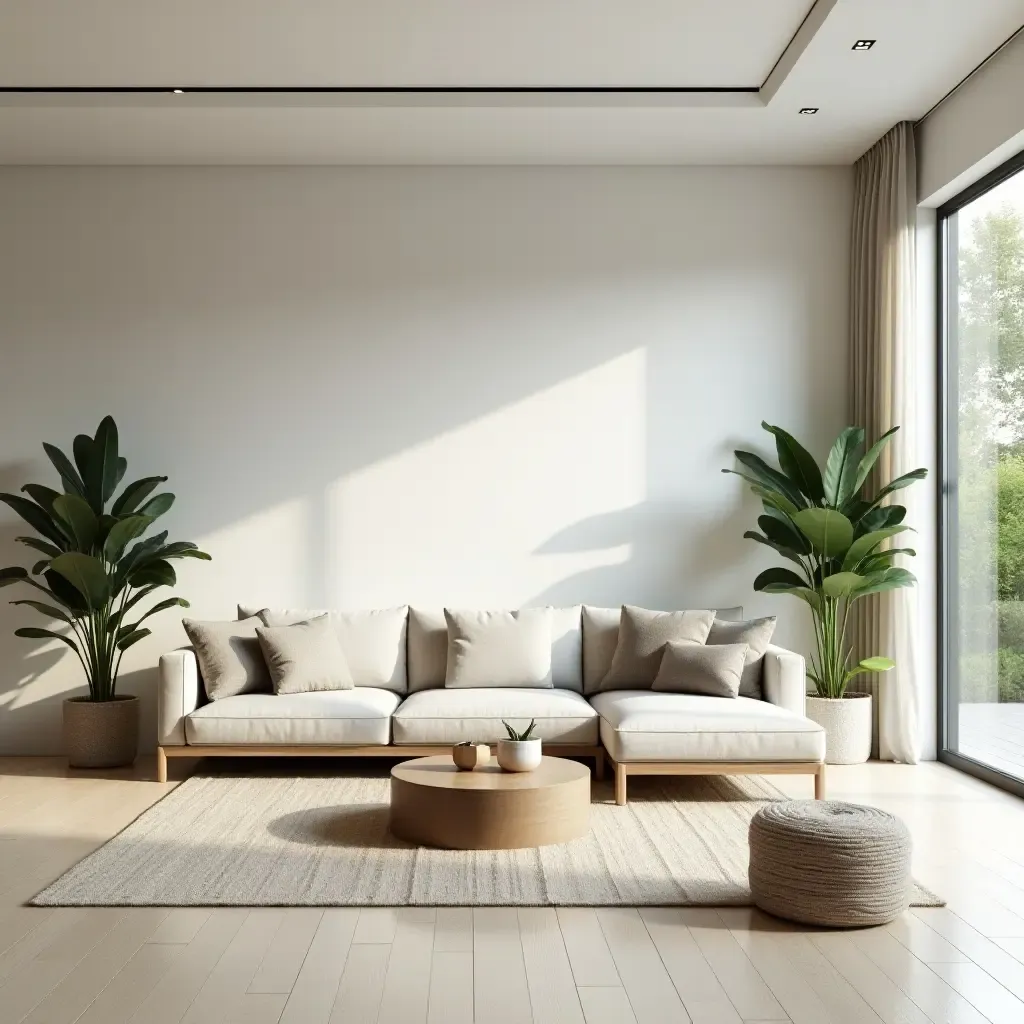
519,755
847,724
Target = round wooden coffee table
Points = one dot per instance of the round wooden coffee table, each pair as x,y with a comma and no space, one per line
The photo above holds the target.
434,804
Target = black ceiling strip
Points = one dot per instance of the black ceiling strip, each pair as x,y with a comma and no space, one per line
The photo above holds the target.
390,89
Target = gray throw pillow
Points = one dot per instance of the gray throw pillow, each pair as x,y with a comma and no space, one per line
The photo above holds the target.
305,656
698,668
229,656
642,638
757,635
499,648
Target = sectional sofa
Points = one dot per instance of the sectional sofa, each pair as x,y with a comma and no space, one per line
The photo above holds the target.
400,706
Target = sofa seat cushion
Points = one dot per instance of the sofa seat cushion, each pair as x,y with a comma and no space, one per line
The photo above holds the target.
641,725
356,717
448,716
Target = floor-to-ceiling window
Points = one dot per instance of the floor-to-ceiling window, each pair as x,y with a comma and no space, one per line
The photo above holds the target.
982,328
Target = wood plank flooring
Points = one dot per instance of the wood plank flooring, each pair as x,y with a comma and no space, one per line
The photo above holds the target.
963,964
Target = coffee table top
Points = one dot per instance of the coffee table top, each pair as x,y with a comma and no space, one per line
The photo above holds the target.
439,772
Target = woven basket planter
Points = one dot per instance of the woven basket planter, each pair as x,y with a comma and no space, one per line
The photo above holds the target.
101,734
829,863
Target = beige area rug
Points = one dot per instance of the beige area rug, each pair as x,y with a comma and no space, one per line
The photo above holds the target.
322,840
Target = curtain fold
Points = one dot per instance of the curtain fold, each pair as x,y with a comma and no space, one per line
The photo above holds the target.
882,395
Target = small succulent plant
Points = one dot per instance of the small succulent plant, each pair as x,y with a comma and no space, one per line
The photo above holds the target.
520,737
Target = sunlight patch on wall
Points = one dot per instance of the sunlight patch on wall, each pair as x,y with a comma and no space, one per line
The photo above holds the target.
486,514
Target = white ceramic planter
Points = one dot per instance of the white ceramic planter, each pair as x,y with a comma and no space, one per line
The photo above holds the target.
519,755
847,725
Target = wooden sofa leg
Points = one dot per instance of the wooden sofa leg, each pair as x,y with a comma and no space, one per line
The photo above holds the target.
819,783
599,766
620,784
161,765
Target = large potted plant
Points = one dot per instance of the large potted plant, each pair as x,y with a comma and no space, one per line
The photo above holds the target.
836,532
95,569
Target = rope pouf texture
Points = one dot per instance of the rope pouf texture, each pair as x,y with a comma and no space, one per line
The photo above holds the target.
829,863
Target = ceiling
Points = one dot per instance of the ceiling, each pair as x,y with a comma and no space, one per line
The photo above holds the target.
442,81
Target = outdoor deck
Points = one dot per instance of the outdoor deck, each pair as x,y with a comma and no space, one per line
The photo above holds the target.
994,735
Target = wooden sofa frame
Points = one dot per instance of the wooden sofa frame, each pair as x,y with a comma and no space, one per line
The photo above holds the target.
623,769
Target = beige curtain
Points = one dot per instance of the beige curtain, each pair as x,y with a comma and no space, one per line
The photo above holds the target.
882,382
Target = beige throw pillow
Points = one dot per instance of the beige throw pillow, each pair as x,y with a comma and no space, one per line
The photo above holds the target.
642,638
229,656
757,635
305,656
698,668
499,648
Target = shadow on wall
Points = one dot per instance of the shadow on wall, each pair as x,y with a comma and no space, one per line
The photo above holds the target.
371,387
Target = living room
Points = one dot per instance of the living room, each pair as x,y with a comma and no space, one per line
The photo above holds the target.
535,635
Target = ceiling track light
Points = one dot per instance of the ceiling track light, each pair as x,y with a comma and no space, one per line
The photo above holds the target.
863,44
808,110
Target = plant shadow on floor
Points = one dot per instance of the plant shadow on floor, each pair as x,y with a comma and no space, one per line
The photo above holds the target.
353,825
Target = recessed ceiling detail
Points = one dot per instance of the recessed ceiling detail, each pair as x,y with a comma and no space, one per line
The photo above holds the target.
465,81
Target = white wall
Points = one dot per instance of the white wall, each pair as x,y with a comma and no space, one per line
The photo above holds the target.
375,386
979,127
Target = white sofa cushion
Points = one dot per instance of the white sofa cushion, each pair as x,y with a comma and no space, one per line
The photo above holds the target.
757,635
428,648
639,725
356,717
373,641
601,637
498,648
305,657
229,656
448,716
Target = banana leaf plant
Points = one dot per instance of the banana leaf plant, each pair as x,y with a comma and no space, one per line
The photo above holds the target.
95,568
836,533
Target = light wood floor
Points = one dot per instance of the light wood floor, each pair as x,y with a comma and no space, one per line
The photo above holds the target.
962,965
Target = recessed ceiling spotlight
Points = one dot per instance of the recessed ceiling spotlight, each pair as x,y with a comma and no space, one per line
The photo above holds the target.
808,110
864,44
177,92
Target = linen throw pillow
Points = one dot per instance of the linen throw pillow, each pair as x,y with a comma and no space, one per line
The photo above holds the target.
229,655
697,668
642,638
499,648
757,635
305,656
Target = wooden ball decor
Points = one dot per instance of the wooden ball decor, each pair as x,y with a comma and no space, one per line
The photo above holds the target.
468,756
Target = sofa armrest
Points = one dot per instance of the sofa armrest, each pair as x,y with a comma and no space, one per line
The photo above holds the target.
784,680
178,696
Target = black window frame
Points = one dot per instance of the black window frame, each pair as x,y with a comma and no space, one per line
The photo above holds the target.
947,312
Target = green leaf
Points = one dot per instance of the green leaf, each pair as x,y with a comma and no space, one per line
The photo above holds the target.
122,533
870,458
43,496
829,531
879,518
183,549
32,633
877,664
14,574
842,584
47,609
86,574
132,638
82,448
886,579
157,506
797,463
840,468
101,476
777,576
160,606
75,511
36,517
899,483
120,468
68,595
784,535
41,546
864,546
135,493
785,552
41,566
68,475
161,573
776,500
770,478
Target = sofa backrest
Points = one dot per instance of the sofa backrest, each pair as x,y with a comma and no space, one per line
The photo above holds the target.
374,641
428,648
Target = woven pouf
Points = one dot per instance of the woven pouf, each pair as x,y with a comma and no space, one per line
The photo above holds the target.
829,863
